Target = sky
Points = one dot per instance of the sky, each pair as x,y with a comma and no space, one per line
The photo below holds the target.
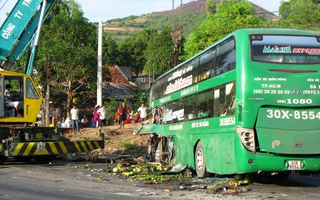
103,10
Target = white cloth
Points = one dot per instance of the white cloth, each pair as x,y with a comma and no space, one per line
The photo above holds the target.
7,100
67,123
143,112
103,113
74,114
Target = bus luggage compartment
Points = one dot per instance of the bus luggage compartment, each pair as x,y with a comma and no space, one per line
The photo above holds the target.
288,130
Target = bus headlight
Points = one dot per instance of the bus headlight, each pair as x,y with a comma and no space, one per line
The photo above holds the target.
247,138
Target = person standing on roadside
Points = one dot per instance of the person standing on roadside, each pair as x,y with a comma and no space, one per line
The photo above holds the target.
96,118
143,112
103,115
123,112
74,118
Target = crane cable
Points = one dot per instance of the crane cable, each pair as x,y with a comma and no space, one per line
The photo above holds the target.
3,4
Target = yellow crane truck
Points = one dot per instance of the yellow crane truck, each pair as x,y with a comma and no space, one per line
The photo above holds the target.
19,138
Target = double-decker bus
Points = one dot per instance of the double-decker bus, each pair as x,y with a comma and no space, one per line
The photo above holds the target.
249,103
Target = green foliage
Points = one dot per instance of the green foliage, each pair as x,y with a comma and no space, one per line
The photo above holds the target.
67,52
110,49
159,53
111,106
300,14
211,6
142,96
230,16
132,50
126,145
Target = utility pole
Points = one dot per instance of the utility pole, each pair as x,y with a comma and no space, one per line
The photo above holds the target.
99,70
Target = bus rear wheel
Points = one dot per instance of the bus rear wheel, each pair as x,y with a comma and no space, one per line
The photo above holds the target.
200,161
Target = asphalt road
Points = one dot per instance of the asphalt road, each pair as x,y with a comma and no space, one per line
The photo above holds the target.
71,180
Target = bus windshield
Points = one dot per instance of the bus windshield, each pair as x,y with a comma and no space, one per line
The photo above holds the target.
285,49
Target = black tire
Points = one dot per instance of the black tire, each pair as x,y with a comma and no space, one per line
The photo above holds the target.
282,175
200,161
44,158
22,158
2,159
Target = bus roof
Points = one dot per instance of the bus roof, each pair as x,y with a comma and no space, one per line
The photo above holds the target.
250,31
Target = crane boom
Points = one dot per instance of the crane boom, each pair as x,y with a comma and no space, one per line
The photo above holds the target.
20,27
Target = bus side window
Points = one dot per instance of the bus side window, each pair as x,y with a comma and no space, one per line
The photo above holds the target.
167,113
205,104
178,111
226,57
230,98
190,109
224,100
207,61
219,99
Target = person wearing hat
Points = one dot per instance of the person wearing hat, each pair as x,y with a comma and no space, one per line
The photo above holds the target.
96,116
9,102
102,115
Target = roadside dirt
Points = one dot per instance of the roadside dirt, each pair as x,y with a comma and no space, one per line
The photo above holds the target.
118,142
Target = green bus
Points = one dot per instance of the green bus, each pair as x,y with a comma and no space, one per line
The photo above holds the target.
250,103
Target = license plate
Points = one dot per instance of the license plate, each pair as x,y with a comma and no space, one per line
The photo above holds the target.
294,165
39,135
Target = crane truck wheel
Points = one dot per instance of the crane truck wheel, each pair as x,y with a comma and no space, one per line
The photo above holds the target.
2,159
22,158
44,158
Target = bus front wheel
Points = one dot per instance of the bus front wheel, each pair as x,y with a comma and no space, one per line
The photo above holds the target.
200,162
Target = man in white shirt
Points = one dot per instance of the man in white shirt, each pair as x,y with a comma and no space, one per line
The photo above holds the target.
9,102
74,118
103,115
143,112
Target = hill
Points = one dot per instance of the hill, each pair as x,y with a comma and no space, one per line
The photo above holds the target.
188,15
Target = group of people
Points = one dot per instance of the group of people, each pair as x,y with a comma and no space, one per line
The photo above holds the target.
100,116
123,114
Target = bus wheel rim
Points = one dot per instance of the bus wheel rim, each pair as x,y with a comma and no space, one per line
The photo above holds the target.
200,158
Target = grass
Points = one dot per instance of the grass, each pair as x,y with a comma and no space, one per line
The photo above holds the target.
126,145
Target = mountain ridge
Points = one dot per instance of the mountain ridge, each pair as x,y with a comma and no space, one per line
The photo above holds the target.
188,15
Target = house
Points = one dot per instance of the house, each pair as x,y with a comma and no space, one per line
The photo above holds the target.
120,85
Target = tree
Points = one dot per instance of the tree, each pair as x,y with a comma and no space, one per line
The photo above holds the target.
229,16
132,50
159,53
300,14
211,6
67,52
111,53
